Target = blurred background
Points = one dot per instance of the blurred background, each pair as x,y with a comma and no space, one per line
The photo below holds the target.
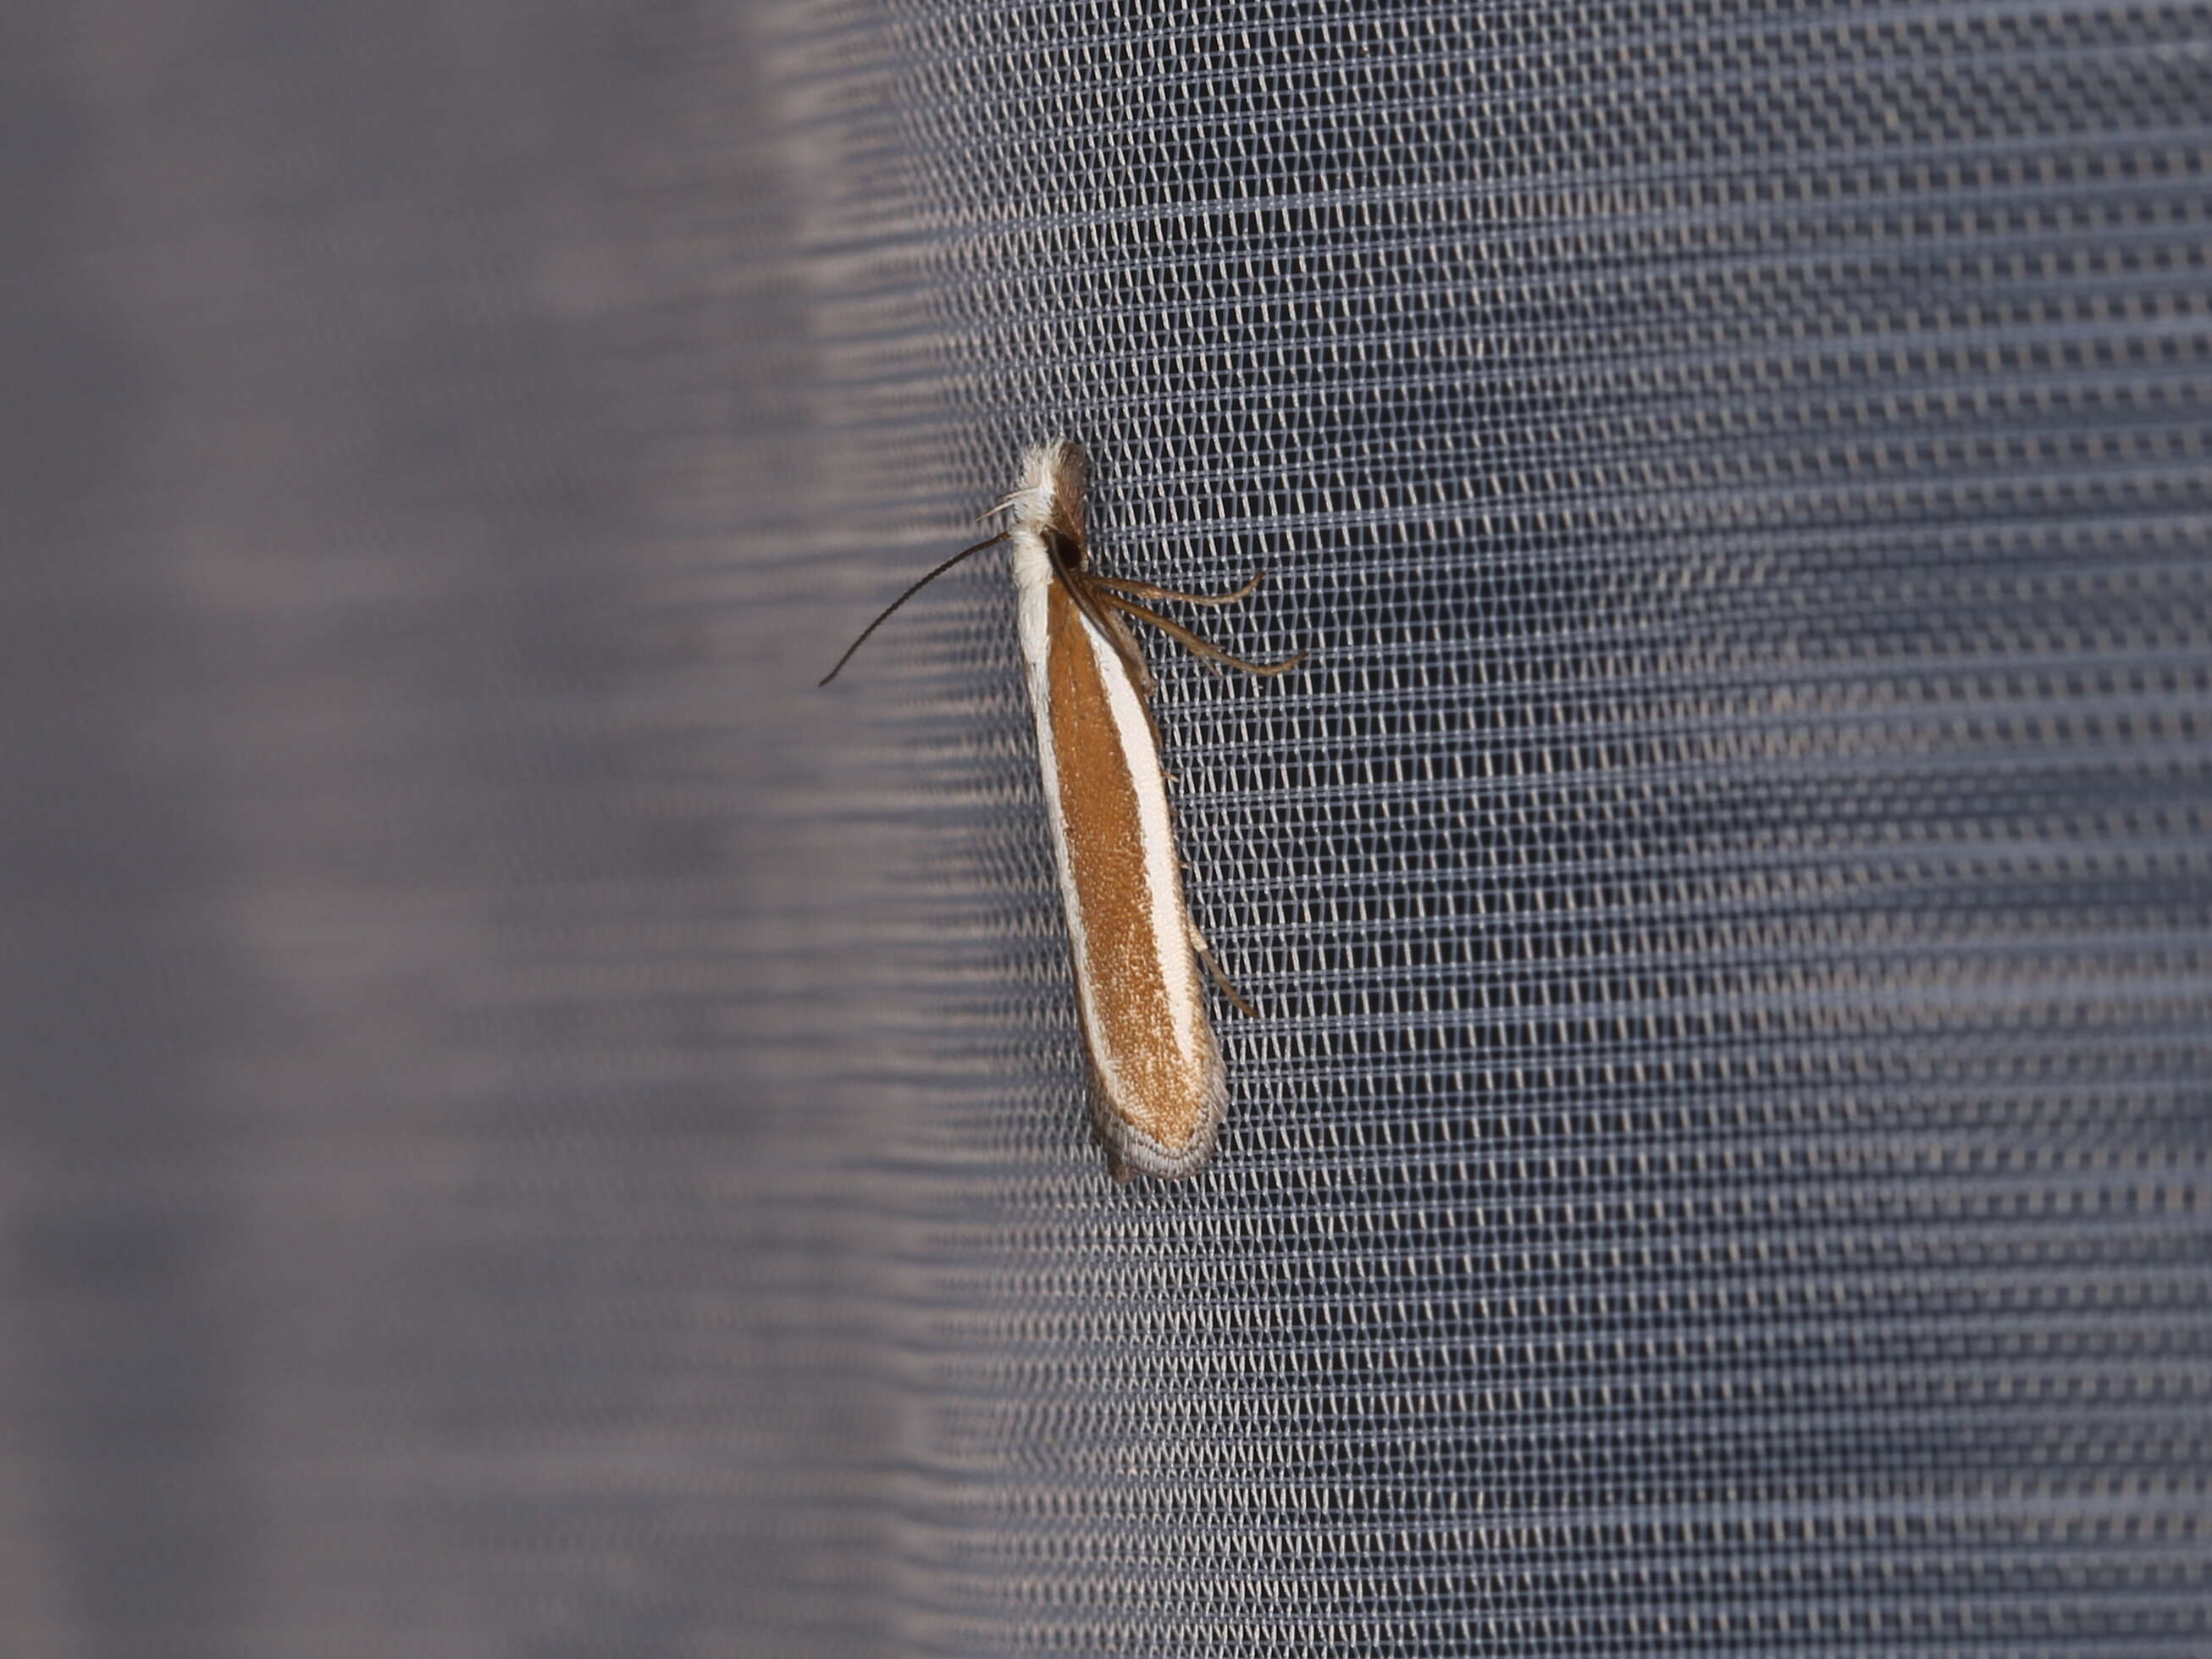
527,1129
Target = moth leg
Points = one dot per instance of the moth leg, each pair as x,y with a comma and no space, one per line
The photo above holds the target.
1191,642
1147,591
1205,954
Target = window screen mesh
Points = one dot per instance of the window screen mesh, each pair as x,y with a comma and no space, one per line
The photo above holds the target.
1720,1166
570,1141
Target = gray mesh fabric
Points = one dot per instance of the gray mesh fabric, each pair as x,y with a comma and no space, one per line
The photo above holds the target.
1721,1165
533,1131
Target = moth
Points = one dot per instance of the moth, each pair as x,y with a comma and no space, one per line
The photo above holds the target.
1158,1091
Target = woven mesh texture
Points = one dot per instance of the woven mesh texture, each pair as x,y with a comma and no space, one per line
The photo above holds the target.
526,1129
1721,1164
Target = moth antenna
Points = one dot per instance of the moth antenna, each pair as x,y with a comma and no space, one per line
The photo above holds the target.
902,599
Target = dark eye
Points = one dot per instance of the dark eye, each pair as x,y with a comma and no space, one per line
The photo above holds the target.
1066,551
